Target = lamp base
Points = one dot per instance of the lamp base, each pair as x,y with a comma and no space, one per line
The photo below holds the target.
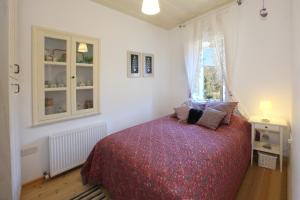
265,120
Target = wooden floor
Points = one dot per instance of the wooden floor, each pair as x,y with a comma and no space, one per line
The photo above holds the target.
259,184
264,184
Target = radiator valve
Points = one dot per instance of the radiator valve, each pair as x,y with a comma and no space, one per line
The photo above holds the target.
46,175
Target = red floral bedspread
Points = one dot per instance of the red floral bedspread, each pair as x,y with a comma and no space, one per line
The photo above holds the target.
165,159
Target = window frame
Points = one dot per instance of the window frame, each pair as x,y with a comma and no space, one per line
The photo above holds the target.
203,66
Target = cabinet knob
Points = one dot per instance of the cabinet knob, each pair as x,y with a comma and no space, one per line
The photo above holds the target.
17,69
17,90
266,127
73,77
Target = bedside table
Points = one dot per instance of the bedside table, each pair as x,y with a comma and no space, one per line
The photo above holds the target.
276,126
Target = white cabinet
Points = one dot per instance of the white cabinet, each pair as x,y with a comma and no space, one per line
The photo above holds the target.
65,75
275,125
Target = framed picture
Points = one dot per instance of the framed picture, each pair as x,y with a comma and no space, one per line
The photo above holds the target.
133,64
148,64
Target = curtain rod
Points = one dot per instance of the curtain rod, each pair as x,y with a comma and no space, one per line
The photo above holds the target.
217,10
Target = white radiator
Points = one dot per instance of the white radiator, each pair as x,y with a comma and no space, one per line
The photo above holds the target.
71,148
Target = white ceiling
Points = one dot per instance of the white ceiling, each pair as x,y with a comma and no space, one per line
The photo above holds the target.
172,12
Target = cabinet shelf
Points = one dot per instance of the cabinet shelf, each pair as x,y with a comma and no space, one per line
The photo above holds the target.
84,65
55,89
55,63
275,148
84,87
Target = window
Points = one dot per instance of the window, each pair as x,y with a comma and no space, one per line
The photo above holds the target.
209,82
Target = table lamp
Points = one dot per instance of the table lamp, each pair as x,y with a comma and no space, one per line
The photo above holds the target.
265,107
82,48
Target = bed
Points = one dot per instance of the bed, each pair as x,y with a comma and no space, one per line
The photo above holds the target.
165,159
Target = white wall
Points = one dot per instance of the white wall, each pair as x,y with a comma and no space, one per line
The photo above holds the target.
263,69
263,65
179,85
124,102
295,158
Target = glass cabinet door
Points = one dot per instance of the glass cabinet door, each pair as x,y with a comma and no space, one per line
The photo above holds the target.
65,82
54,76
84,70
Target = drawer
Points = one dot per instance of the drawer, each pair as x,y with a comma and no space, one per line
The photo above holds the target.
267,127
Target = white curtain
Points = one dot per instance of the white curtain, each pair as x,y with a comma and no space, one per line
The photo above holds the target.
192,37
219,31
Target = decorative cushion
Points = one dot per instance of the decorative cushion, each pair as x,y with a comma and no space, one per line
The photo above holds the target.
194,116
211,118
227,107
182,112
197,105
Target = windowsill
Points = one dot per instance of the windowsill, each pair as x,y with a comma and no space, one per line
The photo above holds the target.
206,101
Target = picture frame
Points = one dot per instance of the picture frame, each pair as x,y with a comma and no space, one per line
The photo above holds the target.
133,64
148,65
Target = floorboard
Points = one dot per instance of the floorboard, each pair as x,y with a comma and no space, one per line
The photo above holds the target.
259,184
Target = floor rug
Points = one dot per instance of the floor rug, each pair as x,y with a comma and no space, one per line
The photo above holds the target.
93,193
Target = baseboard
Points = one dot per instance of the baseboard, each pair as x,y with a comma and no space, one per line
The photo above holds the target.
41,179
37,181
33,182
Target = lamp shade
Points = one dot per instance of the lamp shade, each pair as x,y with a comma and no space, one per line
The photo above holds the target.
265,107
82,48
150,7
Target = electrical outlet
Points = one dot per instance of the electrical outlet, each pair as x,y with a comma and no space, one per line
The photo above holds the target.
29,151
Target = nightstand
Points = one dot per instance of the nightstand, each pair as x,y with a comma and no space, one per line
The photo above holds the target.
276,126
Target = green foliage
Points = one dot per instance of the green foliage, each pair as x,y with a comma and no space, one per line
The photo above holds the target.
212,83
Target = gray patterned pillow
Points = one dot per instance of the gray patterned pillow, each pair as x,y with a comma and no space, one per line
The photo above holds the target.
182,112
227,107
211,118
197,105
